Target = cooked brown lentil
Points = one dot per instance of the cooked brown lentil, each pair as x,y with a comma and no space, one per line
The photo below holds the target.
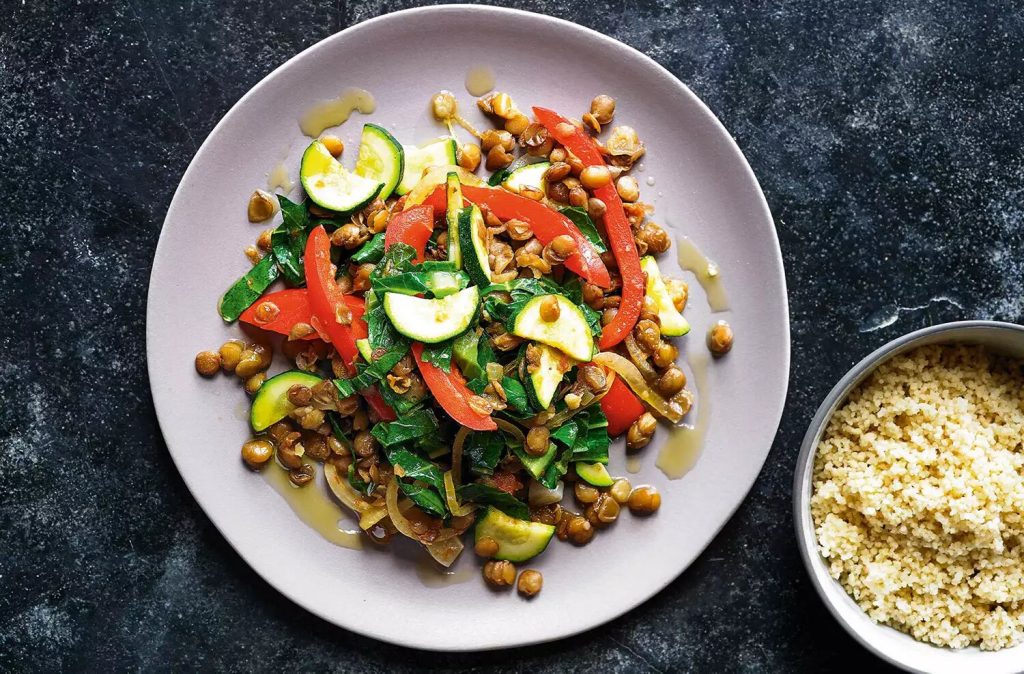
644,500
208,363
257,452
530,583
499,573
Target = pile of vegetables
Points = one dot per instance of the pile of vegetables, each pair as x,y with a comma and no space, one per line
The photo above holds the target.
457,453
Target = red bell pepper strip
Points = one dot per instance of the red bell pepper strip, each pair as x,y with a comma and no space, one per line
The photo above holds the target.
621,406
326,297
451,393
292,308
376,402
546,224
438,199
413,226
620,235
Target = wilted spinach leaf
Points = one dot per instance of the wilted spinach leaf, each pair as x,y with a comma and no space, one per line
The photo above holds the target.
488,495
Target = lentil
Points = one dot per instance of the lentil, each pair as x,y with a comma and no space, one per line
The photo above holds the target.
208,363
644,500
499,573
257,452
530,583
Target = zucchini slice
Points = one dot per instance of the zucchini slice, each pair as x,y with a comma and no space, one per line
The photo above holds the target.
518,540
531,175
473,245
537,465
455,204
440,152
543,383
672,322
594,473
330,185
271,402
432,321
381,158
570,333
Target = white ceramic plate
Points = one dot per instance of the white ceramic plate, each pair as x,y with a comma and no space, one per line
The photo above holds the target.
703,188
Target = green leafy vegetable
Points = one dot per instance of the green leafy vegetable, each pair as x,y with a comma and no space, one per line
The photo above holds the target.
583,223
522,291
288,240
368,375
426,498
591,444
248,289
439,354
406,429
396,259
488,495
371,251
483,450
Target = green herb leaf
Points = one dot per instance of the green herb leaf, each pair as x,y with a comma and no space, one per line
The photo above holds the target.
248,289
592,442
583,223
396,259
488,495
439,354
406,429
483,450
288,240
425,497
415,467
371,251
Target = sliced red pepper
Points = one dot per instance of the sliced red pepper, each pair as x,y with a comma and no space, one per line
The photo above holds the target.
326,297
621,406
376,402
413,226
451,393
620,235
546,225
292,308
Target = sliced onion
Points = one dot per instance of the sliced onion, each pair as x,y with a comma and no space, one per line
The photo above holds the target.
460,441
639,359
452,499
395,513
539,495
434,177
586,400
445,552
369,515
635,380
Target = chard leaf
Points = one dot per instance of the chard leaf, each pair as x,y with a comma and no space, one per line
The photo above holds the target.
406,429
439,354
591,444
247,289
488,495
288,240
396,259
371,251
426,498
582,220
415,467
483,450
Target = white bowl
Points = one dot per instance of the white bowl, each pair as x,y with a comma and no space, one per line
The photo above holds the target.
897,647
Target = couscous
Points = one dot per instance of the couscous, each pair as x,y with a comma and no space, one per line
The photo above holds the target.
918,496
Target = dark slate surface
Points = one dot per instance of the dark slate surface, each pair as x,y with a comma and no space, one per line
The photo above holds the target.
886,136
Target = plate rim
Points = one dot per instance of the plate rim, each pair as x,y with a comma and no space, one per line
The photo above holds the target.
735,155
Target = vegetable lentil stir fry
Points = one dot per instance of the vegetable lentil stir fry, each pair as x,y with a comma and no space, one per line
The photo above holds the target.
464,349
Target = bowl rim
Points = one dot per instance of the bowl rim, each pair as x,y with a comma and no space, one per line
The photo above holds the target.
802,483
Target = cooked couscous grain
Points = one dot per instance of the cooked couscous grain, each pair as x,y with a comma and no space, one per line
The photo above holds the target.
918,496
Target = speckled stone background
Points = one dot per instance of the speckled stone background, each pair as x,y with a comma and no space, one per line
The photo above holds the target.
886,136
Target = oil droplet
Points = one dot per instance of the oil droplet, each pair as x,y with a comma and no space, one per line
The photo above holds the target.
278,179
682,449
335,111
707,272
650,180
633,463
313,506
479,80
